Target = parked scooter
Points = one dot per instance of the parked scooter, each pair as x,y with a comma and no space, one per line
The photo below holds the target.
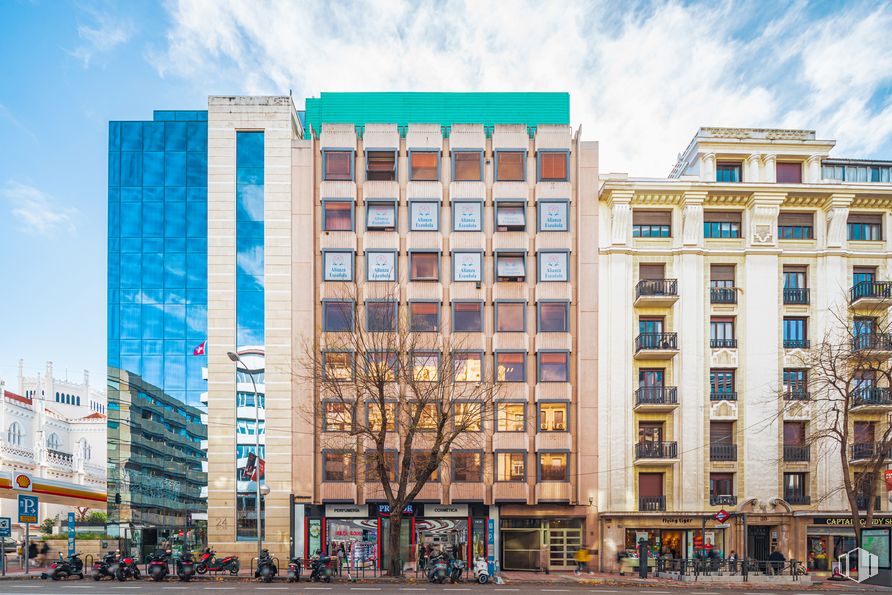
437,569
456,569
295,566
158,567
127,568
209,562
320,568
62,569
185,566
481,570
266,567
106,567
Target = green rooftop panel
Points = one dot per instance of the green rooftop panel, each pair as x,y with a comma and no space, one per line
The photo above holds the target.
445,109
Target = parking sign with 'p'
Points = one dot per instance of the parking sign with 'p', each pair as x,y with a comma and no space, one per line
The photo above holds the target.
27,509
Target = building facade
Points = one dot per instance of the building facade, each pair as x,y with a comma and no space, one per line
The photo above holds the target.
714,282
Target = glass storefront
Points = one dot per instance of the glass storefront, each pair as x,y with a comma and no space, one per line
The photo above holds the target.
524,539
676,543
824,545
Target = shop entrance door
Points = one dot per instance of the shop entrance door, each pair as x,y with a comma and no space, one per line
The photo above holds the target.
758,543
520,548
406,552
564,539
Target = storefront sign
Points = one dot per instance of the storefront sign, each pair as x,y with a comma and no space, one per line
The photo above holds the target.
678,520
385,509
445,510
346,511
885,521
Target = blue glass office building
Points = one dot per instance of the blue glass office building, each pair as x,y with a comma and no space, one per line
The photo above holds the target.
157,317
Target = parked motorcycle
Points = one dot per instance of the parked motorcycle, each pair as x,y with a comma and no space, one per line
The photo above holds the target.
481,570
62,569
127,568
185,566
266,567
320,568
456,569
295,566
106,567
437,569
158,567
209,562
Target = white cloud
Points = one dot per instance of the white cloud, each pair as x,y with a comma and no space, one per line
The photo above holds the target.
103,35
37,211
642,78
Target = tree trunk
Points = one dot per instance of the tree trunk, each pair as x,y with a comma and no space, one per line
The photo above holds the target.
395,563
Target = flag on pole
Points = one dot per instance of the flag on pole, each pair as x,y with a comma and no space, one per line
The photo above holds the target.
259,468
201,348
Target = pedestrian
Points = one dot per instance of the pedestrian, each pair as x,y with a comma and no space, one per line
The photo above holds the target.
582,558
543,559
776,562
732,562
32,554
342,557
43,554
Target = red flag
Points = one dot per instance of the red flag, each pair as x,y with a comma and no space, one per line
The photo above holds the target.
258,469
200,349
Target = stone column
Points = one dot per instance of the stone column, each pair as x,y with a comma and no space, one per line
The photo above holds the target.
769,169
707,167
753,171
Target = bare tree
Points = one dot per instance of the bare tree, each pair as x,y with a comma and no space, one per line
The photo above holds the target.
395,396
848,378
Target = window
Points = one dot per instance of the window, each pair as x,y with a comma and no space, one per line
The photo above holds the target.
467,266
863,275
552,417
337,466
721,284
553,466
467,366
337,317
371,465
424,215
428,418
420,462
788,173
467,466
337,265
795,333
511,466
650,432
381,366
337,365
380,216
424,317
511,367
14,434
721,384
425,366
721,432
795,277
467,166
554,366
553,215
375,418
381,317
424,266
53,442
721,224
337,215
795,383
651,224
510,266
511,216
469,416
467,317
721,484
794,433
510,166
721,333
727,172
467,215
865,226
380,166
795,487
796,225
424,165
380,265
338,416
554,317
337,165
651,378
510,417
554,266
511,317
553,166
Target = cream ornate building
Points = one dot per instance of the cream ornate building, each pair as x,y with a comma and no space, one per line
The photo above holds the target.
713,280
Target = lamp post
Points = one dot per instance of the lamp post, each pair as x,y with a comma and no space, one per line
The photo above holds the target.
234,357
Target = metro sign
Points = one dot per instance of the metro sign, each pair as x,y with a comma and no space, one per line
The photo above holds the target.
722,516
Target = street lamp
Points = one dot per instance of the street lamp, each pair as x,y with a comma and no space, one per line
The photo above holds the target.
234,357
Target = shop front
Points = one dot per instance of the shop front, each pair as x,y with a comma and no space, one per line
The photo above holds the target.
551,538
829,537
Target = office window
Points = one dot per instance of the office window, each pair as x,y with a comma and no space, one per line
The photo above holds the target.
511,466
721,332
381,317
510,266
721,224
372,473
728,172
553,166
380,216
337,466
420,462
554,367
510,166
553,466
467,466
553,417
337,317
380,265
468,416
721,383
428,418
337,266
795,486
424,266
337,215
795,332
511,317
380,165
510,417
865,226
337,365
554,266
795,382
651,224
511,367
338,416
468,366
467,215
425,366
554,317
467,317
337,165
788,172
467,166
467,266
424,317
424,215
424,165
554,215
381,366
796,225
376,419
511,216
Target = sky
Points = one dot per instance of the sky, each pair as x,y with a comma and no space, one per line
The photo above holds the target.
642,77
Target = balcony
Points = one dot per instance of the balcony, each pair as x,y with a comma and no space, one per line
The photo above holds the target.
722,295
723,343
656,345
866,451
879,344
796,395
656,292
656,451
722,452
871,399
869,294
797,343
862,501
656,398
716,500
652,503
723,396
796,296
797,499
795,453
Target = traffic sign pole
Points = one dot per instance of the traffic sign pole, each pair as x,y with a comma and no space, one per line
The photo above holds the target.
25,549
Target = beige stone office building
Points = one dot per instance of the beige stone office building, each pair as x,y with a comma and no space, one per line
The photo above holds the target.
712,281
482,209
